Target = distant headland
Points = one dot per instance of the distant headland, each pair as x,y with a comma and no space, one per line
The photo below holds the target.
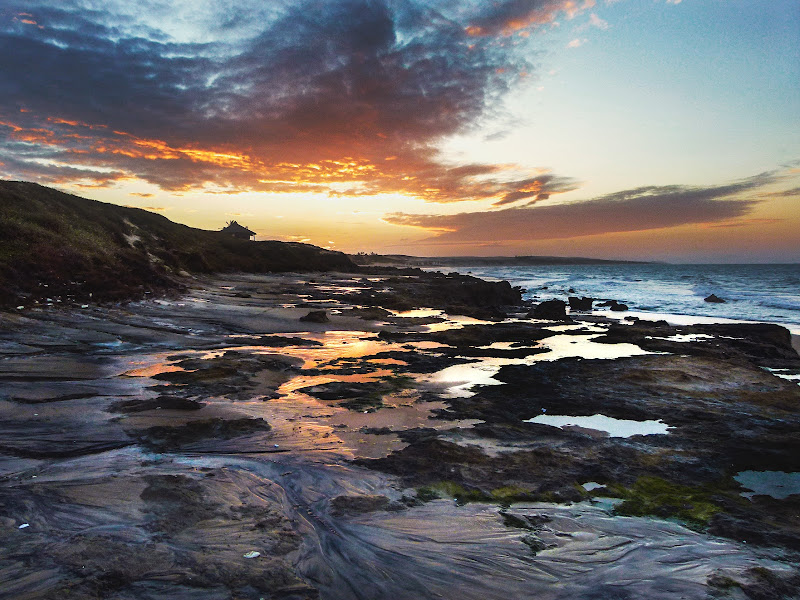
404,260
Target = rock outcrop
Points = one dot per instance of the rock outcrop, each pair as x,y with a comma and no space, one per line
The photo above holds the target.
316,316
614,305
583,304
551,310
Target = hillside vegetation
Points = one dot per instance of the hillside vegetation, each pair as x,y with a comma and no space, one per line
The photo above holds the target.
54,244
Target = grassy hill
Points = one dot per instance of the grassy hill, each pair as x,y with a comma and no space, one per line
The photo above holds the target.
54,244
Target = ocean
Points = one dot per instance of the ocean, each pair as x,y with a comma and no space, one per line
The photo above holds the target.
761,293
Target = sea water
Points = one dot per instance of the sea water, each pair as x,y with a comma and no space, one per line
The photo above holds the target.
763,293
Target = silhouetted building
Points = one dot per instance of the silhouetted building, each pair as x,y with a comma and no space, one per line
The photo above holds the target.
238,231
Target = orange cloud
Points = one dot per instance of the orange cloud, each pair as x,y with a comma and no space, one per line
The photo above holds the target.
180,167
508,18
343,99
640,209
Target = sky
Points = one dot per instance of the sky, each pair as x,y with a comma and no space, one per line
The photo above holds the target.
631,129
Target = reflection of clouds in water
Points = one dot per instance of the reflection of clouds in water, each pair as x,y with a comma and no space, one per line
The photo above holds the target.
777,484
418,312
614,427
582,346
460,379
680,337
788,374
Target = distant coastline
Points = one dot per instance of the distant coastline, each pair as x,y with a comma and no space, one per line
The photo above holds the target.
405,260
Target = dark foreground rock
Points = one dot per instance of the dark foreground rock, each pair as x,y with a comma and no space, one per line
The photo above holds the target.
170,438
614,305
761,344
157,535
581,304
354,505
455,293
316,316
131,465
163,402
746,419
550,310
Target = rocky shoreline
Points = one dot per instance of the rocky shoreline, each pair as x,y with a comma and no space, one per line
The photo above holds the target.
408,445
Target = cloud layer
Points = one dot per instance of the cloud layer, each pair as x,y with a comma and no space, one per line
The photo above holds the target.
337,96
638,209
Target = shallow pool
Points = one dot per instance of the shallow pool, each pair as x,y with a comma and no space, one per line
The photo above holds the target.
613,427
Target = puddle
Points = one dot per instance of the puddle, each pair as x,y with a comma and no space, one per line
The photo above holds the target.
151,370
335,345
455,322
788,374
777,484
582,346
343,345
606,504
418,313
592,485
387,361
506,346
458,380
682,337
340,289
622,428
579,326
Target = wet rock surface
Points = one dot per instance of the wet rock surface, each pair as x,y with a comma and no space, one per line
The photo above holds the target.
155,532
552,310
316,316
581,304
746,419
173,437
215,446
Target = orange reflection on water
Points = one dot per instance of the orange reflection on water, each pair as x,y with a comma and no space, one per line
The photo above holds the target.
151,370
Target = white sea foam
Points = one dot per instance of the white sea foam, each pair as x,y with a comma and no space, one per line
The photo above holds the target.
754,293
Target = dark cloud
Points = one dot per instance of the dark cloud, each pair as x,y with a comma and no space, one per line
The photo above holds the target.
791,193
321,92
538,188
631,210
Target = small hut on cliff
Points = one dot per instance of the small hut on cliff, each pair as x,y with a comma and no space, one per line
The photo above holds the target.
238,231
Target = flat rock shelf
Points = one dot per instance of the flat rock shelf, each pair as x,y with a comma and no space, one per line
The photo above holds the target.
414,444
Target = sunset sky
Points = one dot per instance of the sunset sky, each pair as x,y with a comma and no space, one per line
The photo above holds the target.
640,129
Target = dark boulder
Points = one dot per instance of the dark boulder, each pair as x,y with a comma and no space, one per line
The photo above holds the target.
715,299
580,303
614,305
551,310
315,316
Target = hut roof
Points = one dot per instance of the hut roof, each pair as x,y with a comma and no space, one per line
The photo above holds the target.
234,228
